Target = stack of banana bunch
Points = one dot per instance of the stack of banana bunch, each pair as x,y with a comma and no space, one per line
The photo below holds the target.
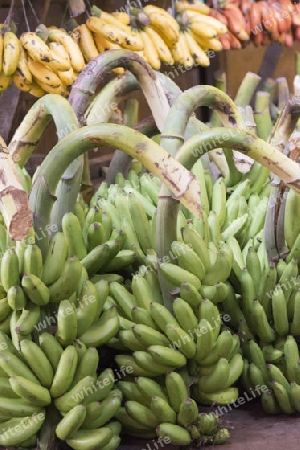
266,317
39,375
38,67
58,288
164,409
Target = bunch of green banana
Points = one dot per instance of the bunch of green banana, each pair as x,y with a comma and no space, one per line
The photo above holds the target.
43,374
164,409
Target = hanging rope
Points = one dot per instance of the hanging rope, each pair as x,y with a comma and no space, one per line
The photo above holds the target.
25,16
10,13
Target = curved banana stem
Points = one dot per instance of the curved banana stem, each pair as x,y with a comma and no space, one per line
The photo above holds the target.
14,204
185,105
181,182
130,119
285,123
121,161
93,74
109,97
171,140
247,143
32,127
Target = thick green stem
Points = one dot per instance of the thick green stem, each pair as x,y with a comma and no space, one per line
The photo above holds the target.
32,127
109,97
263,123
247,89
171,140
120,161
246,143
181,182
283,92
93,74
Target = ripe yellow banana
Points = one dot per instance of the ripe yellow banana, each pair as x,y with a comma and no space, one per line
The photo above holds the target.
199,55
86,43
166,26
199,7
43,74
1,51
60,54
127,39
181,53
122,17
149,50
22,68
161,47
11,53
4,81
74,52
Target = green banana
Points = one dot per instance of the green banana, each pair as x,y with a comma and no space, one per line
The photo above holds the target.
51,347
15,298
131,391
9,271
143,316
66,330
74,236
295,325
129,340
75,396
103,329
177,275
222,397
162,410
13,366
217,380
208,423
142,292
205,340
35,289
95,235
55,259
5,308
141,414
177,434
236,365
87,365
185,315
262,327
68,281
291,357
295,395
188,259
37,361
33,424
65,372
219,271
162,316
269,402
279,310
87,307
150,388
176,390
167,356
291,224
282,398
32,392
140,221
188,412
71,422
124,299
190,294
109,407
90,439
33,260
144,360
196,242
181,340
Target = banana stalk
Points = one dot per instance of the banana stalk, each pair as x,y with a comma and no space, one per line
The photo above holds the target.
181,182
247,89
171,140
247,143
50,107
121,160
109,97
93,74
262,115
14,204
273,230
56,108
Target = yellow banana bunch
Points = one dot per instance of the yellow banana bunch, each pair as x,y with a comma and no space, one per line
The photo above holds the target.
163,23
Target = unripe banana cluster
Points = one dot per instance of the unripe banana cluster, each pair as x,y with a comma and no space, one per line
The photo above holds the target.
35,376
165,410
